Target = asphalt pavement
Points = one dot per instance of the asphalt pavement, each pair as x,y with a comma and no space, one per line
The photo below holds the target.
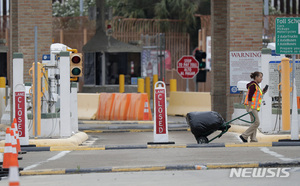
114,146
158,178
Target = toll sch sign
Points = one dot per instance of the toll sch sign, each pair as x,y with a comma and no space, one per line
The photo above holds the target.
187,67
160,112
20,112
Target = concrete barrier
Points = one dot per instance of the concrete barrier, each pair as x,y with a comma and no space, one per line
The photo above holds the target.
105,104
87,105
114,106
180,103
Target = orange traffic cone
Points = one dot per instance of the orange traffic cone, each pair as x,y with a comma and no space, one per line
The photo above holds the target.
16,134
146,111
13,174
7,150
14,146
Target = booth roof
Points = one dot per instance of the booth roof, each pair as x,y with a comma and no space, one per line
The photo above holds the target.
100,42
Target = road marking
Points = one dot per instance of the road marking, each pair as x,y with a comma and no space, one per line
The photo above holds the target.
275,154
57,156
89,142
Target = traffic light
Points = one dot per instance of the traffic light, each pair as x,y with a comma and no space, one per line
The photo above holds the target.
201,76
75,64
200,55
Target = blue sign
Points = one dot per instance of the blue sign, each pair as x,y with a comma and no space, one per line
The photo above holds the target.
46,57
273,53
134,80
234,90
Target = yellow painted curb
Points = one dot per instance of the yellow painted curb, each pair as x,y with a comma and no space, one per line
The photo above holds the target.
165,146
93,131
141,130
138,169
226,166
248,144
72,148
43,172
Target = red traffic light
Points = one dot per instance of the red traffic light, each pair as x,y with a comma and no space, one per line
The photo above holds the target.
76,59
76,65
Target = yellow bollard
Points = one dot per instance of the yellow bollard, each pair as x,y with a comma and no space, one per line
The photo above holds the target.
285,91
173,85
39,96
121,83
2,82
140,85
2,95
147,87
155,79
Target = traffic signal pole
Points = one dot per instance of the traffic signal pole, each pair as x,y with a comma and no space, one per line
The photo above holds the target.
294,124
65,121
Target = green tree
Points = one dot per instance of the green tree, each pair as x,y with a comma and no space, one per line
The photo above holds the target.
204,7
70,8
177,9
133,8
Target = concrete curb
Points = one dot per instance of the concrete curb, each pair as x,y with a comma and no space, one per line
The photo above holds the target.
158,168
109,169
131,130
128,147
125,122
72,141
3,127
183,127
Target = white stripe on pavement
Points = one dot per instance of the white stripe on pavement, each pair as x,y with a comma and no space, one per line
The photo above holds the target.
57,156
275,154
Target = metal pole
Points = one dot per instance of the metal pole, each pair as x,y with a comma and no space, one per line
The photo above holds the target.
35,80
266,21
81,7
294,124
160,58
103,64
187,85
196,84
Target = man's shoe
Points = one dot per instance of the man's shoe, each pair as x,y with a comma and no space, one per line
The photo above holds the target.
243,139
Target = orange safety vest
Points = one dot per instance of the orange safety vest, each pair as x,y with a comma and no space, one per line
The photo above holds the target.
256,98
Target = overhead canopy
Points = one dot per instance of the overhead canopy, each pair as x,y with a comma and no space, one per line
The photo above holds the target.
100,42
